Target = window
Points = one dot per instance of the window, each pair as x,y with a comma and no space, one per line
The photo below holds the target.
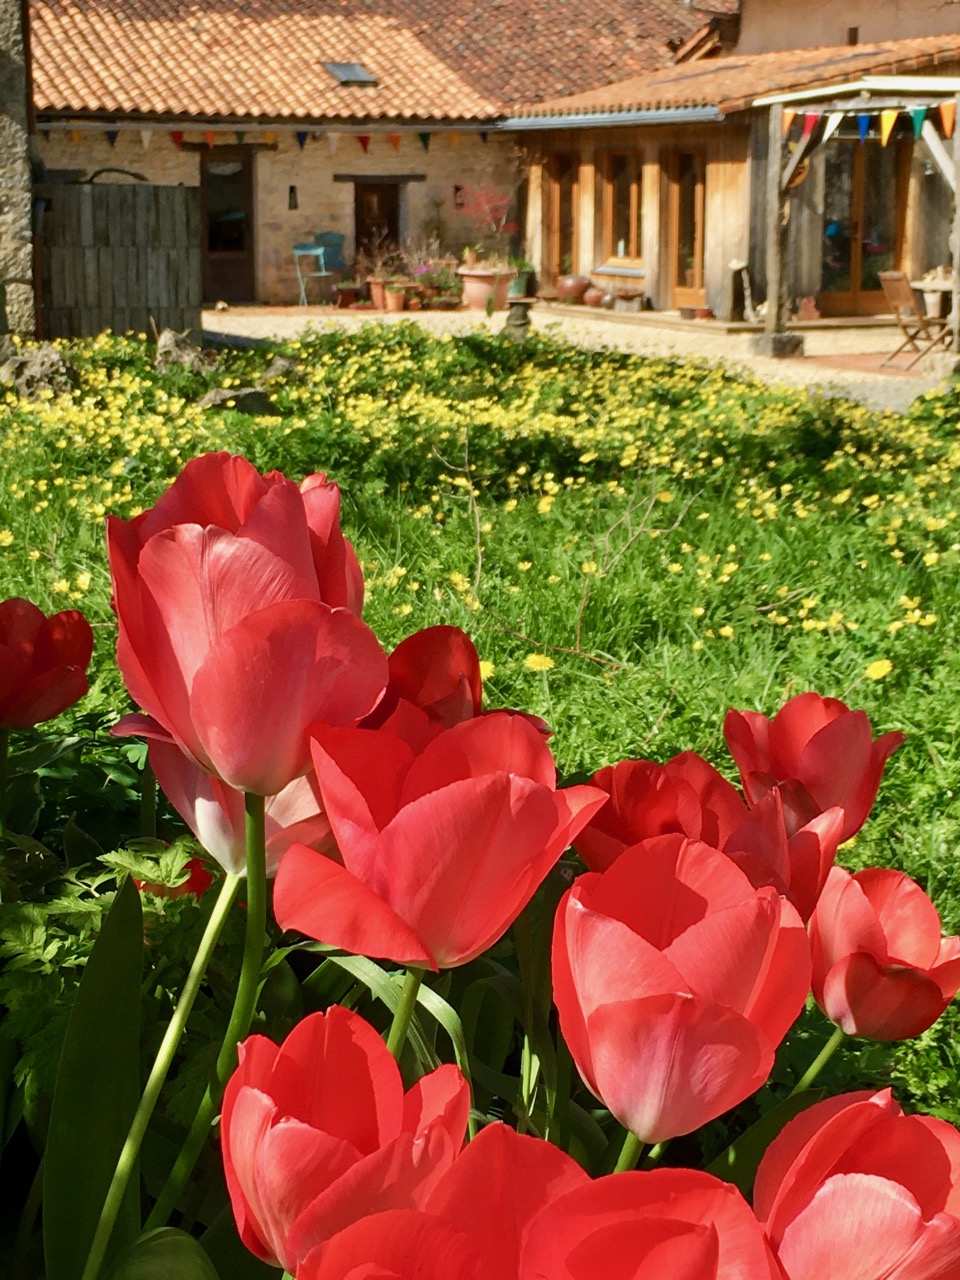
350,73
622,206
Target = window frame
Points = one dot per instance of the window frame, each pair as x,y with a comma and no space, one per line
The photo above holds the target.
633,257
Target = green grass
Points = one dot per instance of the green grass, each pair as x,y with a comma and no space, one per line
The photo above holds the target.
674,539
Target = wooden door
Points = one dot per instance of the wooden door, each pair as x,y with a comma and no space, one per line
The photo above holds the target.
863,221
226,213
377,216
561,196
686,237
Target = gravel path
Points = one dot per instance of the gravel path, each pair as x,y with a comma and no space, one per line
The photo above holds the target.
838,361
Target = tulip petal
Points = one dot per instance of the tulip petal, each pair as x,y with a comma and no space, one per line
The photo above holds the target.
214,489
842,922
360,773
921,1152
860,1227
438,669
213,811
337,568
498,743
399,1244
569,1249
302,662
441,1096
909,920
667,1064
323,900
880,1002
496,1189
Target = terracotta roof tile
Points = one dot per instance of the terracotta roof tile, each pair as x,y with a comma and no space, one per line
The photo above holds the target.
262,59
731,83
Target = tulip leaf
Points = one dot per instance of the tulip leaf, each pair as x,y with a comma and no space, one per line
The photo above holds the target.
96,1095
41,754
449,1019
229,1254
739,1163
163,1254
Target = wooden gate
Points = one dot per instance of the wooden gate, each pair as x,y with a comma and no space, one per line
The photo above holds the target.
118,256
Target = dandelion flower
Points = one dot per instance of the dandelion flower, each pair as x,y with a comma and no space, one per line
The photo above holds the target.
486,669
878,669
538,662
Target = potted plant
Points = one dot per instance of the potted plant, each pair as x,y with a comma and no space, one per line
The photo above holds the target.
347,293
395,295
520,286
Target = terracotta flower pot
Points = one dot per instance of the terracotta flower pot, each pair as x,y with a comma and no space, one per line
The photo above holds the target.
572,288
485,287
396,299
377,295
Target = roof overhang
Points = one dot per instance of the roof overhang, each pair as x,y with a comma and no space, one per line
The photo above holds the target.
610,119
869,87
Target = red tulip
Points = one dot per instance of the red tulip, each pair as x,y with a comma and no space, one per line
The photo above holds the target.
318,1133
43,662
400,1244
441,849
675,981
819,752
197,882
233,596
881,967
215,812
852,1189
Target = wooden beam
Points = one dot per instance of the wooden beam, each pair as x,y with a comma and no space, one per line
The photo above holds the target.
938,153
775,318
955,241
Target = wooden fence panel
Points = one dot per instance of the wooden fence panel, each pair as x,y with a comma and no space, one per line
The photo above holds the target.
119,256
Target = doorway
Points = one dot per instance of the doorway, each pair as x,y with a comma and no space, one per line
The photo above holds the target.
864,210
686,207
226,219
377,217
561,195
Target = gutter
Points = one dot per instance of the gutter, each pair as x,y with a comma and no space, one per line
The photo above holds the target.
632,115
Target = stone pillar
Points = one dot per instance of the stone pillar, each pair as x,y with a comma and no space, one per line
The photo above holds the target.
17,314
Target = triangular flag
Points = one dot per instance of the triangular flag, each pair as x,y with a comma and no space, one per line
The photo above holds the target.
918,115
176,137
394,139
364,140
809,123
484,135
948,117
240,135
75,135
145,136
834,120
454,138
888,118
789,115
270,137
209,138
863,125
301,140
112,136
334,140
424,140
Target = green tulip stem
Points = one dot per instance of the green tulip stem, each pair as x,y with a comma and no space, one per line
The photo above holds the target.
4,776
630,1153
404,1011
244,1007
819,1062
158,1074
148,802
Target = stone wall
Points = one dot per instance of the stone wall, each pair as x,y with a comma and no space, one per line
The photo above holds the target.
16,251
321,176
785,24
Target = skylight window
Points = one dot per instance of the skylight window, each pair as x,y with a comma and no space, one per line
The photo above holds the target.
350,73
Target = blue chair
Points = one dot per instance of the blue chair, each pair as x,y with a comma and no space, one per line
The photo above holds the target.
332,244
310,261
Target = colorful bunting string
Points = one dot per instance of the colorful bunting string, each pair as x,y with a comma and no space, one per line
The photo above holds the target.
454,138
240,135
301,140
176,137
888,119
270,137
863,125
145,137
834,121
333,140
424,140
209,138
75,135
484,135
394,139
918,115
112,135
948,117
810,119
364,140
789,115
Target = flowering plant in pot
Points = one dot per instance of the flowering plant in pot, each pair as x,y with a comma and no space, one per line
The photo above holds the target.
392,916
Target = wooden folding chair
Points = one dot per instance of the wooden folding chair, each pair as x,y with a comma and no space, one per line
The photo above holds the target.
922,333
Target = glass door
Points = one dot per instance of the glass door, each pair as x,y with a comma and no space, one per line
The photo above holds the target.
863,216
226,201
685,175
561,189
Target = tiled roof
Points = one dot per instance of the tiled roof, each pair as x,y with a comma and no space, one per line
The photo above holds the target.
262,59
731,83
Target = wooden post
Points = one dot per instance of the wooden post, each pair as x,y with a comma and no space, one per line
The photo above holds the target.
775,340
955,239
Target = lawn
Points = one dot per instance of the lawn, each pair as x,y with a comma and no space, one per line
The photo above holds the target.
634,545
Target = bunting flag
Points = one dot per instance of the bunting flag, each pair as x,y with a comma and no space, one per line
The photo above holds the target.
364,140
834,121
176,137
888,119
424,140
334,141
810,119
863,125
789,115
145,136
948,117
270,137
112,136
209,138
918,115
484,135
240,135
454,138
394,140
75,135
301,140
